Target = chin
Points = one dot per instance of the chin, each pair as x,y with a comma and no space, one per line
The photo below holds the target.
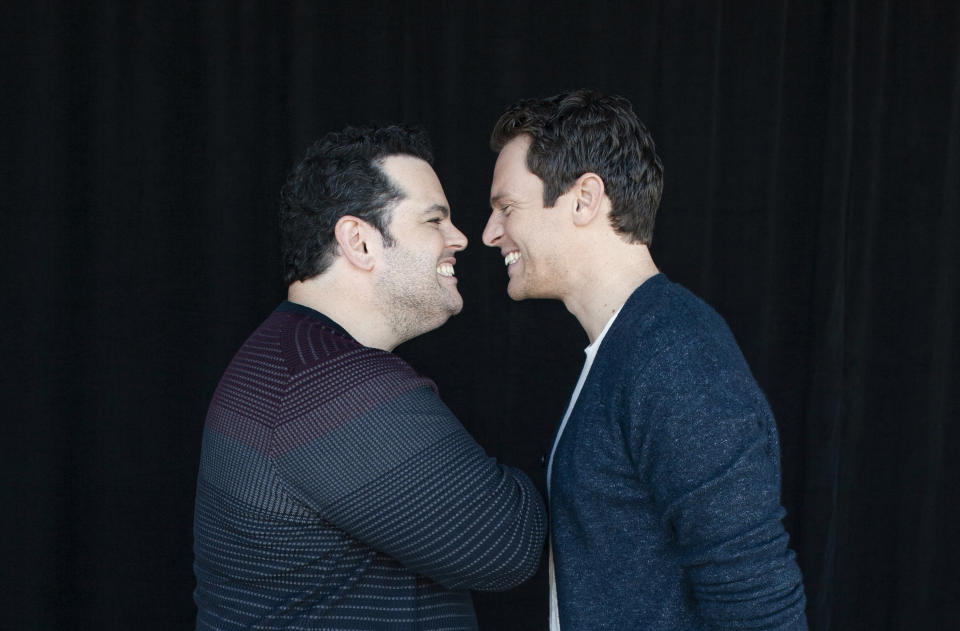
442,317
516,292
456,306
523,292
453,309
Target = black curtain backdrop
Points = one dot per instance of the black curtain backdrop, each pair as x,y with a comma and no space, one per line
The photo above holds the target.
812,154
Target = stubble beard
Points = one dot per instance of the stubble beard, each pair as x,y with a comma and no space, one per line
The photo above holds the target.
413,301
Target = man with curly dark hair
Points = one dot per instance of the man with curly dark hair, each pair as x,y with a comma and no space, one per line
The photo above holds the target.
336,490
664,476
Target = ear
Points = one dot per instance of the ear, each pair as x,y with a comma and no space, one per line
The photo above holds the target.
589,195
354,235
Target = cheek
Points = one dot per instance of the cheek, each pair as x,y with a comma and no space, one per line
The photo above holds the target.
515,230
530,235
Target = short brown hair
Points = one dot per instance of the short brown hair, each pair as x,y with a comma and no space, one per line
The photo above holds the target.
588,132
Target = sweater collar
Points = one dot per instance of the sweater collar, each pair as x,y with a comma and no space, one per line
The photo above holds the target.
293,307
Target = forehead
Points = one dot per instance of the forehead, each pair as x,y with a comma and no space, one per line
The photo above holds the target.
513,156
415,178
510,173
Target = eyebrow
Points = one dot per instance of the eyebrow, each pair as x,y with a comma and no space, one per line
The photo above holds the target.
440,208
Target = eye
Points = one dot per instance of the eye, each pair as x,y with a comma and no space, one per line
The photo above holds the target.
435,220
506,209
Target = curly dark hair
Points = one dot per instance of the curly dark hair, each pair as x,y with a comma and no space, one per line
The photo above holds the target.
585,131
342,174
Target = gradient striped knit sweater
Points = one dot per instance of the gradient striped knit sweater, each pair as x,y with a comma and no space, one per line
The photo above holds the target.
337,491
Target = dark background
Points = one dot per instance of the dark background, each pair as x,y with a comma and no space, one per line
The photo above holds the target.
812,154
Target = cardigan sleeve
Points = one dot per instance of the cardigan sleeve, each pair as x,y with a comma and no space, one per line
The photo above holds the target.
391,465
712,456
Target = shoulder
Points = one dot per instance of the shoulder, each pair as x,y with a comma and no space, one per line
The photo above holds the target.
320,355
663,316
674,366
660,306
672,343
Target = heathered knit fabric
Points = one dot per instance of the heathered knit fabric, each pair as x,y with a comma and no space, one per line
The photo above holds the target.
337,491
665,490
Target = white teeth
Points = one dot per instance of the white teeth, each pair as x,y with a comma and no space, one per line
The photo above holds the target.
445,269
511,258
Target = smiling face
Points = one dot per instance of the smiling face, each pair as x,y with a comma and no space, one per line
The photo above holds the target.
530,237
416,285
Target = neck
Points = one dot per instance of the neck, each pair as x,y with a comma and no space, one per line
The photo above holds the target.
602,287
347,302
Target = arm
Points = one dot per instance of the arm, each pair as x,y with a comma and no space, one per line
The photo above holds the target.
716,476
405,477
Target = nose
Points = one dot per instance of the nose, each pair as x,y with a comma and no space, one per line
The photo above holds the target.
494,229
456,240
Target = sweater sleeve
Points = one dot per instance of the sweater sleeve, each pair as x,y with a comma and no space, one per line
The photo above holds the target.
387,462
712,455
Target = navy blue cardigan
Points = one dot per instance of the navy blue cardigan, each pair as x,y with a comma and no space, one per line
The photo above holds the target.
665,490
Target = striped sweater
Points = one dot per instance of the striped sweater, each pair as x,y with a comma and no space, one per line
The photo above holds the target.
337,491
